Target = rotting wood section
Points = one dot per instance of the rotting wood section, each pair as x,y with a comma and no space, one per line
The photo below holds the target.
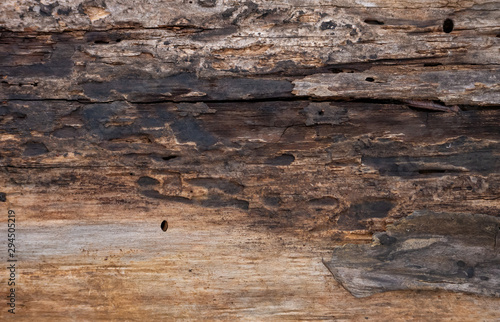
264,133
457,252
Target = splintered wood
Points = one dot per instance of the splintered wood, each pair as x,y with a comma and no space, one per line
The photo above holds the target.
202,159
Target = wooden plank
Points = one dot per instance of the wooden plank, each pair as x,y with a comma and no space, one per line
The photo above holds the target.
263,134
52,55
250,213
474,86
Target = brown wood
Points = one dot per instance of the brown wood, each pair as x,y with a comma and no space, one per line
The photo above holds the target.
202,159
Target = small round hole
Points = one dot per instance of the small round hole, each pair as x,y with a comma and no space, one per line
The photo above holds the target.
164,225
448,26
118,40
370,79
321,112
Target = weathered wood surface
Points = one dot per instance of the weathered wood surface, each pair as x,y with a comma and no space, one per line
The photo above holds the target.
425,251
264,133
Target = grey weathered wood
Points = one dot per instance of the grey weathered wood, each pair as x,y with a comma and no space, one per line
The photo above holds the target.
67,49
471,86
425,251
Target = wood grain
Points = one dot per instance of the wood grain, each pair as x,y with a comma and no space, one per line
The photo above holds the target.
265,134
424,251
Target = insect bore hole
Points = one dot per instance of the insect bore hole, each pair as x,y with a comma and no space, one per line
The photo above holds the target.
370,79
164,225
448,25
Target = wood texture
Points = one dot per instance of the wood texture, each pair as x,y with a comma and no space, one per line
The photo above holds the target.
265,134
424,251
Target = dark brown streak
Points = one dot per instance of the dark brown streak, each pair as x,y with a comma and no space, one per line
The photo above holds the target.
429,105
